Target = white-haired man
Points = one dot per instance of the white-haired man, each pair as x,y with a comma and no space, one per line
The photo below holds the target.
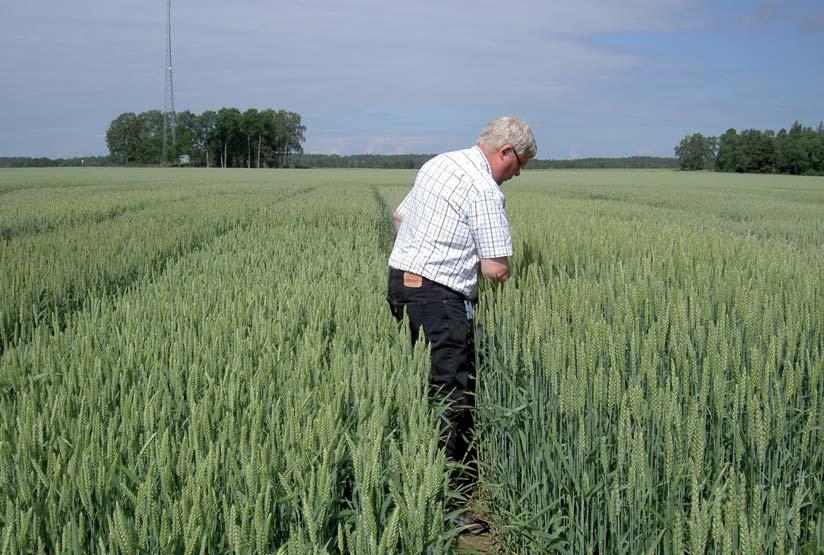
449,227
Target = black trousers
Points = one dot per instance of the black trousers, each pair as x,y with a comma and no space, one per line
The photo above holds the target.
441,313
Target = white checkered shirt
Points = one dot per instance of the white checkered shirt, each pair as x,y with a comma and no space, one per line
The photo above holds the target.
452,218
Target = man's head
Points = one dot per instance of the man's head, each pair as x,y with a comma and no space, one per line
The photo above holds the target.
508,144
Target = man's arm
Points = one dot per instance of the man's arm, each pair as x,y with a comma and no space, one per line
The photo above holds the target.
495,269
397,218
490,231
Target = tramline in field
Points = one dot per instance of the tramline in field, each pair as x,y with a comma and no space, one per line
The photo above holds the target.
204,360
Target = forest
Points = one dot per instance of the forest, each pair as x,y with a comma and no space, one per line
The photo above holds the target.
799,151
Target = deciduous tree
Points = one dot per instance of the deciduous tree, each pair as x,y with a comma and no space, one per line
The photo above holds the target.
696,152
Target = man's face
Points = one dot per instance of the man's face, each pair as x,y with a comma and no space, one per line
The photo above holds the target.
514,162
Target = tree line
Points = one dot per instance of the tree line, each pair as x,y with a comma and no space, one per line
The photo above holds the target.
628,162
799,151
43,162
225,138
415,161
381,161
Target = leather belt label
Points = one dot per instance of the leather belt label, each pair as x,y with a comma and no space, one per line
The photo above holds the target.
411,280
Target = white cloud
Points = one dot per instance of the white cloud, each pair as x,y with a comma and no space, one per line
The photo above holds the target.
767,12
377,76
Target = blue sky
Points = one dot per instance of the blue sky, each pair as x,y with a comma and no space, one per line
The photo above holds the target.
591,77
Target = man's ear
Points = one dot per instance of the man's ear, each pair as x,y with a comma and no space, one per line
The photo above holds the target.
502,150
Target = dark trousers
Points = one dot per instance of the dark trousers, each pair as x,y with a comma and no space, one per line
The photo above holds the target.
441,313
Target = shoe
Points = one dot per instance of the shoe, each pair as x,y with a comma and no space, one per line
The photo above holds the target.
470,523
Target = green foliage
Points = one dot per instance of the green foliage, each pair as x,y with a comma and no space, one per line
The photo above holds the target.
230,399
212,138
123,138
727,151
203,361
755,151
799,151
696,152
656,368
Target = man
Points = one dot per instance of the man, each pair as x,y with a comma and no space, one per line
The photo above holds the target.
450,225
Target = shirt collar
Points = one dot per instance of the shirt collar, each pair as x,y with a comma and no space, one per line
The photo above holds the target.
481,159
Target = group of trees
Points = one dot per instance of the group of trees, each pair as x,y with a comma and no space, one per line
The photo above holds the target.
225,138
799,151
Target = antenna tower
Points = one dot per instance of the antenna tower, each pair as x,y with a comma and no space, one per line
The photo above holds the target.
169,92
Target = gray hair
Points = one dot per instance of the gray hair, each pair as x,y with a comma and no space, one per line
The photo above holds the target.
509,130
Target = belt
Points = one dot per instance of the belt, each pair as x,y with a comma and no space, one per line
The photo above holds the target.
416,281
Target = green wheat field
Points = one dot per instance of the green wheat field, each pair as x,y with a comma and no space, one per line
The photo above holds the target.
202,361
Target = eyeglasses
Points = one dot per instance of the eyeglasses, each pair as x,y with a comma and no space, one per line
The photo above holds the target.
521,165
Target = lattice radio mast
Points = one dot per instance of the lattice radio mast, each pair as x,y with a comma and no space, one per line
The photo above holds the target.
169,92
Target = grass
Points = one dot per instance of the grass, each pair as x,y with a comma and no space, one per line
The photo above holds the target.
204,358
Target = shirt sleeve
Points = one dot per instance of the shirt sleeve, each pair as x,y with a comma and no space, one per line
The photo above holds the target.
404,205
489,226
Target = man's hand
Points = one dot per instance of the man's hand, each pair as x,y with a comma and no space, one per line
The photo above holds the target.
495,269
